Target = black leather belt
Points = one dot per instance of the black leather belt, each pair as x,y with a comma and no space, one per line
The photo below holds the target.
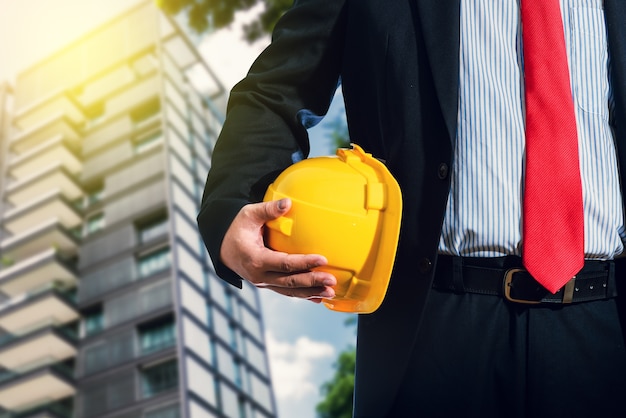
505,276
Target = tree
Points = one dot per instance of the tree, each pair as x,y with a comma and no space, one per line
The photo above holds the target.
203,15
338,391
339,132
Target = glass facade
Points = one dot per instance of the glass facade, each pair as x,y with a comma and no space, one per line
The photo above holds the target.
153,230
159,378
154,262
93,322
94,223
157,336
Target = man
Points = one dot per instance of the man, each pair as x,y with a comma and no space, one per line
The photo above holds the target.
436,89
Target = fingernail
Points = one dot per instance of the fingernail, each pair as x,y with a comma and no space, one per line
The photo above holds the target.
321,261
329,282
282,204
327,293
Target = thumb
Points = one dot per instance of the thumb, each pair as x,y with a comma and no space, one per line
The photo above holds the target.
268,211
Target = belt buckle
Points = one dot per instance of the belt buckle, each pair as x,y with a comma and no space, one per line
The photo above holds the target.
508,280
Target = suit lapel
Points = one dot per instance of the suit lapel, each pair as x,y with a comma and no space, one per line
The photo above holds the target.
440,22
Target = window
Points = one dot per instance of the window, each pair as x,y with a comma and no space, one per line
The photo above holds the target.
93,322
230,402
233,336
157,335
95,113
201,381
96,195
229,303
242,407
152,229
148,142
159,378
78,203
237,370
171,411
94,223
154,262
145,110
77,231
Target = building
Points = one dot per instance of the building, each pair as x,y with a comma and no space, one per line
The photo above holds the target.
109,306
5,99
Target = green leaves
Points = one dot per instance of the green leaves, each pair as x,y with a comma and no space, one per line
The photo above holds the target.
205,15
338,391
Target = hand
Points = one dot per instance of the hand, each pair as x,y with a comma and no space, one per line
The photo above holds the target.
243,251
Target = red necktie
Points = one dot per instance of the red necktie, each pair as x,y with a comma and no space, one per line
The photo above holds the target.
552,231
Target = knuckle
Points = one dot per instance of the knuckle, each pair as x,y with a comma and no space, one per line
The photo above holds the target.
268,212
246,211
286,265
315,278
291,282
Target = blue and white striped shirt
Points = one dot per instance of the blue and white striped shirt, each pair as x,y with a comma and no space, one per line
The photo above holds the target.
483,217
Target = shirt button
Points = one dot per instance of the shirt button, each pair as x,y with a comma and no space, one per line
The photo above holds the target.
424,265
442,172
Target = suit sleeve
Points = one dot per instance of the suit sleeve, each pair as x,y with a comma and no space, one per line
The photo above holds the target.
286,90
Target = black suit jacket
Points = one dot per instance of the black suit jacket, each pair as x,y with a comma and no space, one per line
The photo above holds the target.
398,64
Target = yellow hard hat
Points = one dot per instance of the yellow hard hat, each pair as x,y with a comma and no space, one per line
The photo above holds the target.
347,208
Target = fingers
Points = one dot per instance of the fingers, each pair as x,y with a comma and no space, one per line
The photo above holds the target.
267,211
297,280
243,251
313,294
292,275
286,264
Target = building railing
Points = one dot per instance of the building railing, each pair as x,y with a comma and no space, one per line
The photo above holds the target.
46,362
59,289
49,323
45,408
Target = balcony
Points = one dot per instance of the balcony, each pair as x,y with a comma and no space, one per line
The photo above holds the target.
106,133
50,205
37,239
53,150
144,91
43,381
58,125
43,409
52,176
35,272
31,345
48,108
111,82
50,303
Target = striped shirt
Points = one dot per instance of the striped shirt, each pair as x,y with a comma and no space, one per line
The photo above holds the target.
483,216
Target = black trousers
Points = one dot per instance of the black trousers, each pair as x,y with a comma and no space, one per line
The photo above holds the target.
482,356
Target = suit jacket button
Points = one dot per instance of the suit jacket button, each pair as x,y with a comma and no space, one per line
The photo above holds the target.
442,172
424,265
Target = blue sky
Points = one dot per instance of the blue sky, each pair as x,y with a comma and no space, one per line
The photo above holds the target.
303,338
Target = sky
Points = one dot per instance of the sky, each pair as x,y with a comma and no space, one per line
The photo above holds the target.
303,338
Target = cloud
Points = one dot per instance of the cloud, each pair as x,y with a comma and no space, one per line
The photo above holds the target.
302,341
294,365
